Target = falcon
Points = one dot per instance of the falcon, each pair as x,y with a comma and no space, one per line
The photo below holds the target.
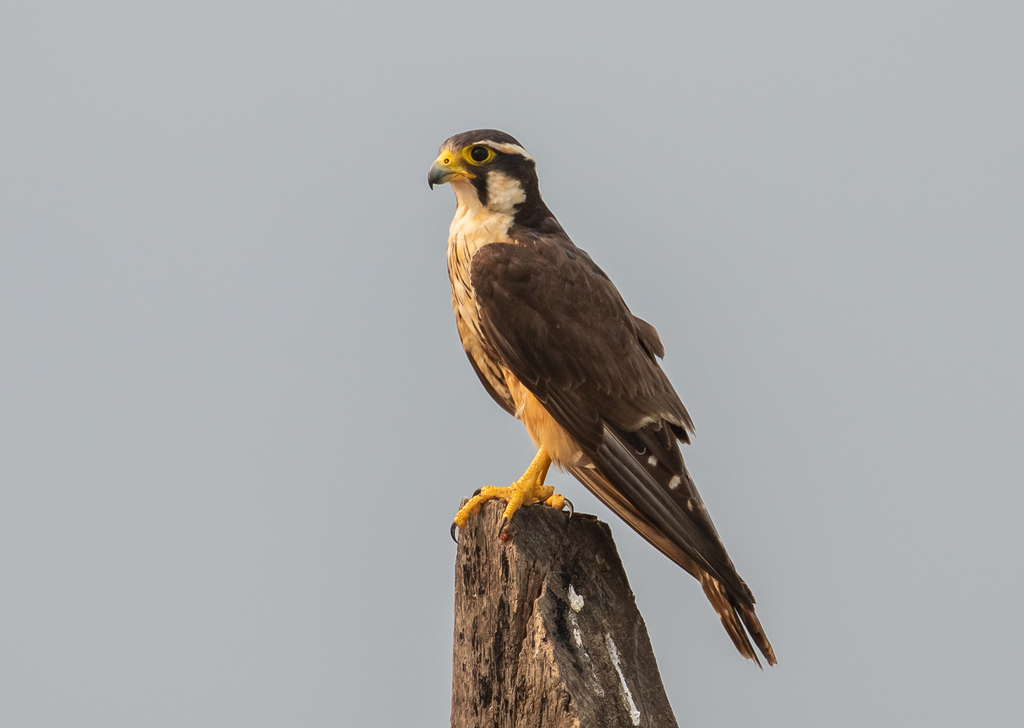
555,346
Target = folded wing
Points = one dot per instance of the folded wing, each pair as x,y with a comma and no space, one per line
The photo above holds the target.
556,321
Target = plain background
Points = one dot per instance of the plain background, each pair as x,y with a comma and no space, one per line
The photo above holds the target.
235,419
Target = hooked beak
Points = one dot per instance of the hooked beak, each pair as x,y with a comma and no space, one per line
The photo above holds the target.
446,167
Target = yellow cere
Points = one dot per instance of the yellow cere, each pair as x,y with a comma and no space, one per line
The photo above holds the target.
453,161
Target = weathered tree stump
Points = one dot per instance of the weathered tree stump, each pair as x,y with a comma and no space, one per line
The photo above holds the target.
547,632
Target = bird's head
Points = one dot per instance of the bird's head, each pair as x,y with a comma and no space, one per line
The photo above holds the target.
489,169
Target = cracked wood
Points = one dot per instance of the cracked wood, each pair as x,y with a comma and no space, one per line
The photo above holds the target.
547,632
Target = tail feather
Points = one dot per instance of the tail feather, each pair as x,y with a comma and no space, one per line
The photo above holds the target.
738,620
737,614
715,593
753,625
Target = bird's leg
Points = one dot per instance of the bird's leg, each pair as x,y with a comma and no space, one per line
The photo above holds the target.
528,489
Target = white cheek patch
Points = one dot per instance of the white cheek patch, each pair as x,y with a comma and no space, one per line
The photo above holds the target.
503,192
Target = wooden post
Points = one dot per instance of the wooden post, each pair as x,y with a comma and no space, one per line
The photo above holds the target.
547,633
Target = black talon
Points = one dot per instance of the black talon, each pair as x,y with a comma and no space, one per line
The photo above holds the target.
571,509
477,491
501,526
454,531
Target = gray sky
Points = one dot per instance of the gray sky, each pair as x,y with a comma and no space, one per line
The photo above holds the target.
235,419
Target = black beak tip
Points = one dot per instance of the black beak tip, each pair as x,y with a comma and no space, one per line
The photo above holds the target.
437,176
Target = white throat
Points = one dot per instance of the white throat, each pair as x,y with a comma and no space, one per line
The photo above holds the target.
475,225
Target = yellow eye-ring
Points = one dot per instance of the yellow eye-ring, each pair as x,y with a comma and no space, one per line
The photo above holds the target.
478,154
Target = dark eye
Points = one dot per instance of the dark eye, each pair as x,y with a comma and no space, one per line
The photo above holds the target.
479,154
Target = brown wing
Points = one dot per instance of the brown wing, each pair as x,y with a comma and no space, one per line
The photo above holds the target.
552,317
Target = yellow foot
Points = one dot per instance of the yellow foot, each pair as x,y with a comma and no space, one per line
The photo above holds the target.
528,489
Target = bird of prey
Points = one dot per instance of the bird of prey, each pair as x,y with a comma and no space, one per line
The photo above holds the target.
555,345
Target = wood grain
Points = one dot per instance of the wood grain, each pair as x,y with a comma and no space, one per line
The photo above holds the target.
547,632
